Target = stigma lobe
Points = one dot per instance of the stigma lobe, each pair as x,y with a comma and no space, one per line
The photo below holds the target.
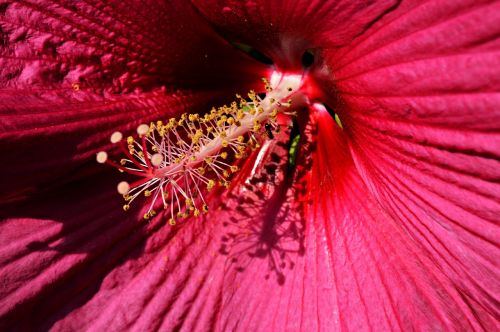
179,161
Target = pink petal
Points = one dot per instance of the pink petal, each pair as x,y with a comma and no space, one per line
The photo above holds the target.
419,101
418,96
283,30
71,74
366,263
112,47
48,141
92,266
398,211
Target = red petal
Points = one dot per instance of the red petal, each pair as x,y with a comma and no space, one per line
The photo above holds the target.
283,30
420,104
112,47
71,74
47,141
90,266
368,260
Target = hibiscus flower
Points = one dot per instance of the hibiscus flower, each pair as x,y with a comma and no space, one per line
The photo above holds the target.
375,207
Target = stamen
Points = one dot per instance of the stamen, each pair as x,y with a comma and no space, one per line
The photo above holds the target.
182,159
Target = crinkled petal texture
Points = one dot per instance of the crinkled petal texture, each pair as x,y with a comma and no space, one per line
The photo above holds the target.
390,223
283,29
72,73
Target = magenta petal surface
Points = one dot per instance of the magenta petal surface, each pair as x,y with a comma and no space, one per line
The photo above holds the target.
360,261
283,30
419,96
390,223
71,74
88,267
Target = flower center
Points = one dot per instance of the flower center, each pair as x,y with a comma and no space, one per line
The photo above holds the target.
180,160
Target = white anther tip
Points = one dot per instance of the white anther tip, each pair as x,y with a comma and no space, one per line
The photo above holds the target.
142,129
156,159
101,157
123,188
116,137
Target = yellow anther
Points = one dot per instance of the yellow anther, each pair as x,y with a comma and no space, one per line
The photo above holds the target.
184,146
183,215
